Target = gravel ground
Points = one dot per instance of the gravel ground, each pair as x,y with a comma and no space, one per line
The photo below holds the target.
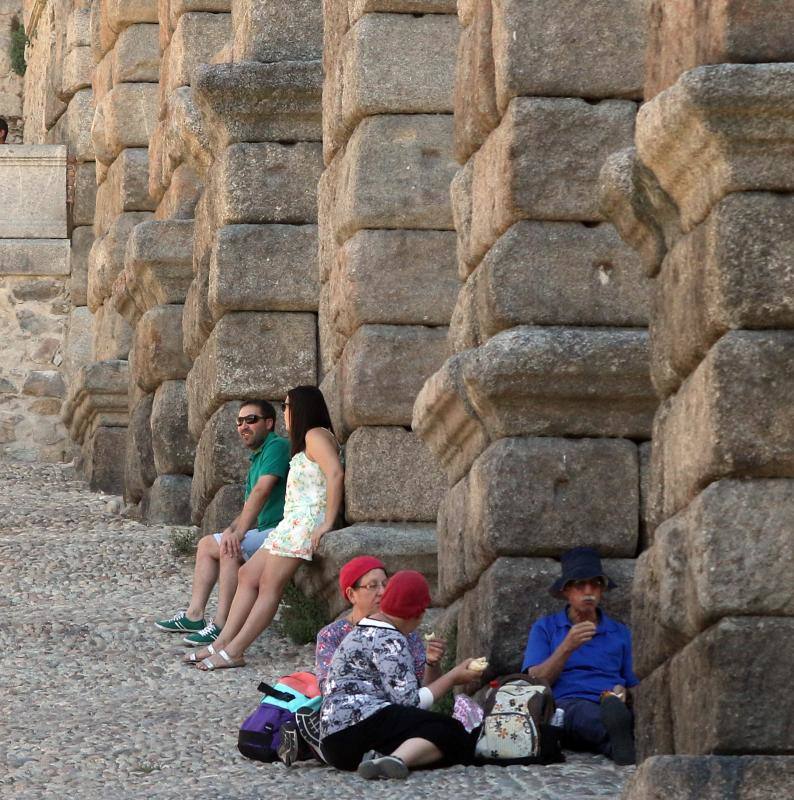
95,701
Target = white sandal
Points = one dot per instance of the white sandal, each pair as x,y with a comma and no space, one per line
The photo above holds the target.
191,658
209,666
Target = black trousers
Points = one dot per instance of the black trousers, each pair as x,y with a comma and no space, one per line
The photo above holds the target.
388,728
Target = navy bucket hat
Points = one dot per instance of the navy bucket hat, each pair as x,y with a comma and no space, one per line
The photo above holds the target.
577,565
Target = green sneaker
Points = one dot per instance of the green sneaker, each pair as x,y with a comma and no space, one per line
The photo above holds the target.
180,622
206,635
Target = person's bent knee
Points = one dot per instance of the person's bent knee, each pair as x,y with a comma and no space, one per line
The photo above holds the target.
209,546
248,575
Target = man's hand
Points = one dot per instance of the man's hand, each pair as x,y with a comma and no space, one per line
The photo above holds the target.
230,544
579,634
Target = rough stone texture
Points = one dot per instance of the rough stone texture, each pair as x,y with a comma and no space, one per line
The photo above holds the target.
263,268
84,194
391,476
685,33
221,459
568,49
562,381
731,417
538,497
34,257
543,162
280,30
382,369
174,450
158,348
104,468
738,118
711,777
112,335
228,367
511,595
82,241
126,188
44,383
136,55
395,173
736,653
728,554
73,127
77,342
745,279
169,500
223,508
389,64
126,117
140,471
394,278
652,705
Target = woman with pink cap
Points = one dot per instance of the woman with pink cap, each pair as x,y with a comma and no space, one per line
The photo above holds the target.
375,716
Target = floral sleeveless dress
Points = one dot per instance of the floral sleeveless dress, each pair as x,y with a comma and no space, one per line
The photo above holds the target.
304,509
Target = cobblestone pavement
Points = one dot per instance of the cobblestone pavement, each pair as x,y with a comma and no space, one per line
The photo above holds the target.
95,702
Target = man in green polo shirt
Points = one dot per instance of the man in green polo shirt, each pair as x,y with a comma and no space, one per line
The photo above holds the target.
220,555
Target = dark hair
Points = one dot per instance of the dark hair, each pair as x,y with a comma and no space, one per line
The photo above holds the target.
307,410
265,409
3,125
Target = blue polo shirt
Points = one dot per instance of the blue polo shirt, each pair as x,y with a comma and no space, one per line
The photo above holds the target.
597,665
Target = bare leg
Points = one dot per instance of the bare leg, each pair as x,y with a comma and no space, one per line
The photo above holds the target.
418,752
227,586
277,572
205,574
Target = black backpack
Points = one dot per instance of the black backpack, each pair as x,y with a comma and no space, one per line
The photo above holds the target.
516,728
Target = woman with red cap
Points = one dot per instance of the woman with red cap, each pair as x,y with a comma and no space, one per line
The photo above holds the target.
375,716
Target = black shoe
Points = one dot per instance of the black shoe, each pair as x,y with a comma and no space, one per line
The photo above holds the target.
289,748
374,766
618,721
308,722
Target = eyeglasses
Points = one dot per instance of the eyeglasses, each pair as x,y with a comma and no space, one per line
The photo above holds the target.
284,406
373,586
248,419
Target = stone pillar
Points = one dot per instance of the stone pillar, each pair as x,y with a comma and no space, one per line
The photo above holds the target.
387,266
707,198
34,270
538,414
250,320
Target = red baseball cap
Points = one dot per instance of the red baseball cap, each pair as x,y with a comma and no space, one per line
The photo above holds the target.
356,568
407,596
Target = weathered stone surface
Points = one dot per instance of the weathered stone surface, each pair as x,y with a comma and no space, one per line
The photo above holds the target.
264,268
223,508
646,526
446,421
476,114
558,273
568,49
229,367
136,55
731,418
34,256
382,370
396,172
394,278
73,127
357,8
44,383
220,459
126,188
158,348
112,335
169,500
103,466
97,395
538,497
684,34
35,181
253,102
140,469
744,253
82,241
390,475
280,30
399,546
653,729
77,343
543,162
172,445
729,553
102,77
496,616
267,182
711,777
84,194
562,381
390,64
179,199
738,118
126,117
77,66
741,663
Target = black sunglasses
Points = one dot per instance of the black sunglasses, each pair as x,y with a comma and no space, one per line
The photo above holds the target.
284,406
248,419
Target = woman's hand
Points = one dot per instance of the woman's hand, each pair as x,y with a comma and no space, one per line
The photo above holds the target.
317,535
434,651
461,674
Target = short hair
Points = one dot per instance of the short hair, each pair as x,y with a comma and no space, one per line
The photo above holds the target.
307,410
3,126
265,409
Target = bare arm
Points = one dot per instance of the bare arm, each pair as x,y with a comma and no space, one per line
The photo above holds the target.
321,448
551,668
235,533
457,676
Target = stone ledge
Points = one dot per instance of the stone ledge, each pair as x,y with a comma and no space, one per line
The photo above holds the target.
34,257
97,397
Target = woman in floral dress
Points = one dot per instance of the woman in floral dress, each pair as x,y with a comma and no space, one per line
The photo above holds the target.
311,506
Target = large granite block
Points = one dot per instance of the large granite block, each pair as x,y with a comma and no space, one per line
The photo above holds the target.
34,257
172,445
159,355
136,55
280,30
139,467
543,162
126,188
169,500
113,336
73,127
222,509
391,476
231,365
103,464
126,117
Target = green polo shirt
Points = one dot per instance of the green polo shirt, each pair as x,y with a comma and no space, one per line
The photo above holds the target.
272,458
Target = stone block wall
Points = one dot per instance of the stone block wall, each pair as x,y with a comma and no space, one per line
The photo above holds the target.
538,414
252,129
387,261
706,197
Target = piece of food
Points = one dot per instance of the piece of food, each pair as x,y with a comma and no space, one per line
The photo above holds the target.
478,664
428,636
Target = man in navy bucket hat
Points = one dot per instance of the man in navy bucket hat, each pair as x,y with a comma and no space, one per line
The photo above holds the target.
586,657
